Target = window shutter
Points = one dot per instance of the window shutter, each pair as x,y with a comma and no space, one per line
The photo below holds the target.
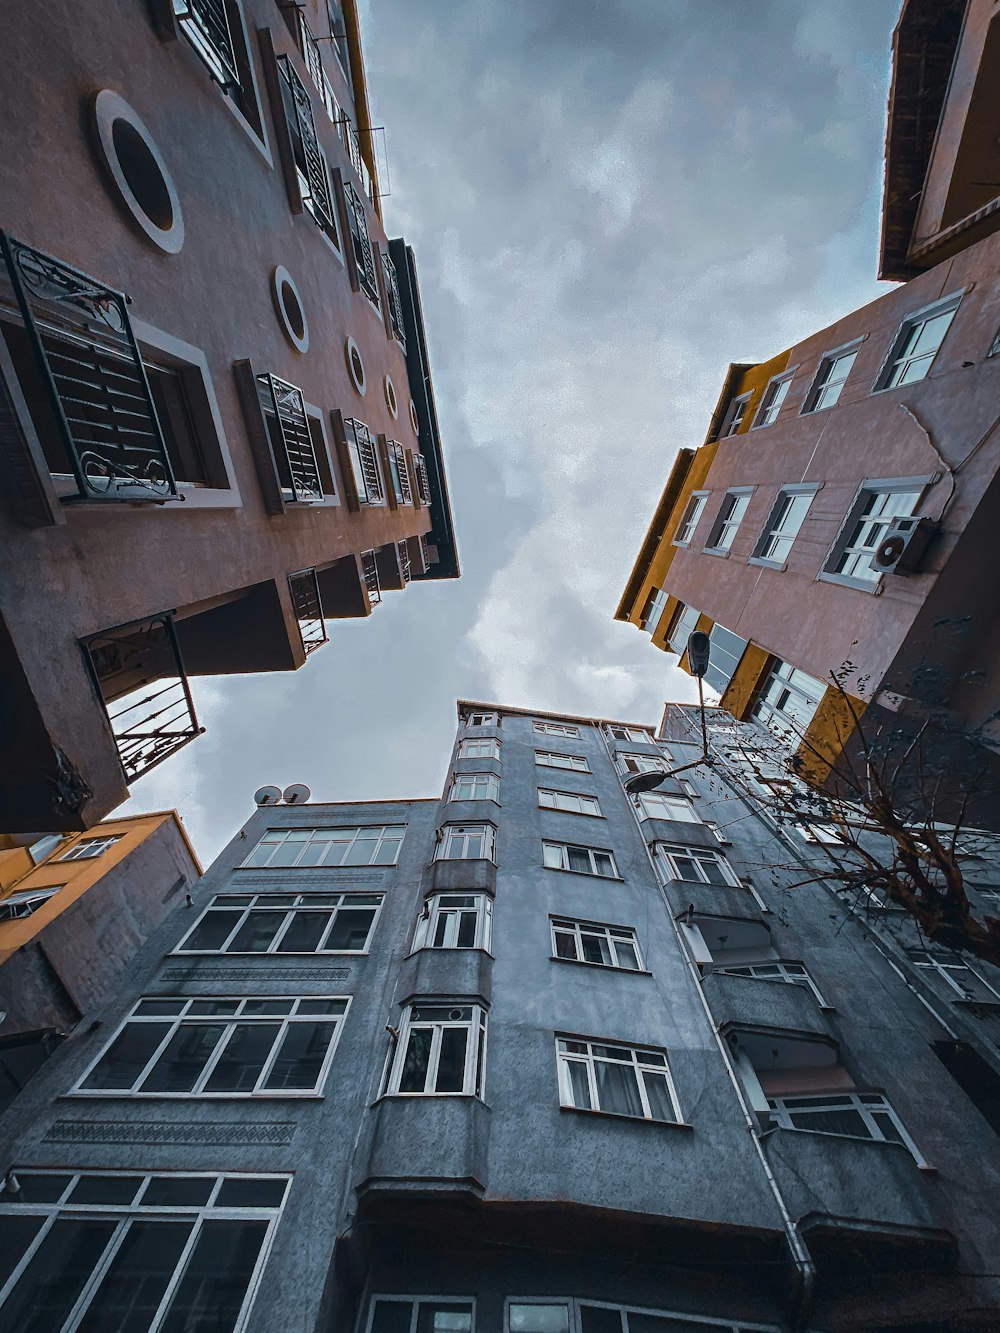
294,436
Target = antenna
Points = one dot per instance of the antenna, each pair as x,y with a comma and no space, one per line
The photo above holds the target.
296,794
267,796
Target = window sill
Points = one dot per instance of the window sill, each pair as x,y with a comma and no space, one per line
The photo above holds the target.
449,948
604,967
235,953
583,814
844,581
422,1096
584,874
716,551
273,869
474,800
629,1119
96,1094
766,564
455,860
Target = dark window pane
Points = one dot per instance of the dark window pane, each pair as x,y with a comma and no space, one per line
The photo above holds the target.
16,1234
391,1317
212,930
565,945
304,933
178,1191
415,1064
350,929
177,424
127,1056
616,1089
247,1192
50,1285
361,851
652,1323
577,859
451,1062
105,1189
184,1058
466,930
132,1288
37,1188
595,949
714,873
257,931
300,1056
246,1053
595,1320
833,1122
214,1285
658,1096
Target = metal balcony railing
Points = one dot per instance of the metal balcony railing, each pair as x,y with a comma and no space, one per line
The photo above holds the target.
308,605
364,255
364,462
140,676
400,472
285,411
395,304
89,360
369,571
423,482
310,162
403,550
205,23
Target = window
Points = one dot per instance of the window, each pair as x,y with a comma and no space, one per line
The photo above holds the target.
695,865
475,787
618,1080
159,1252
794,974
87,848
827,834
454,921
581,860
735,414
653,610
466,842
557,729
916,345
310,163
421,479
995,346
393,301
656,805
574,762
481,720
830,379
364,462
788,700
783,525
284,923
26,902
592,942
441,1050
685,623
571,801
535,1315
867,525
726,526
364,255
725,654
398,473
638,735
774,395
858,1115
372,846
639,763
293,446
279,1046
690,517
951,968
485,748
390,1314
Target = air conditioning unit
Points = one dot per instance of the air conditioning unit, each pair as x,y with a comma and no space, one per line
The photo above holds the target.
903,547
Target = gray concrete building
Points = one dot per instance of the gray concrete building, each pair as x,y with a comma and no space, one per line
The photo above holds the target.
538,1056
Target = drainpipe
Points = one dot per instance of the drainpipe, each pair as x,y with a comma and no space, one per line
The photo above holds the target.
801,1258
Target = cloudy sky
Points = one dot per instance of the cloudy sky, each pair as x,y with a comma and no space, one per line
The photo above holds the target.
609,201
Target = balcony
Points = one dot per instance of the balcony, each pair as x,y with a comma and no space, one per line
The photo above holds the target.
464,876
308,606
428,1142
749,1002
105,440
711,900
679,831
446,972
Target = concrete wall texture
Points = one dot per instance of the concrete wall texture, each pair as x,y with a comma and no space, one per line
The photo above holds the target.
723,1219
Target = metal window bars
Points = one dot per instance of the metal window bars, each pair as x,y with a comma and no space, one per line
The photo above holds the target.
423,482
403,552
369,571
297,465
205,23
392,296
139,674
368,479
310,162
401,473
82,338
363,252
308,606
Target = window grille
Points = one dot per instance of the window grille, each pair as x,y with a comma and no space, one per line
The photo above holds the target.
205,23
98,391
313,57
309,160
308,607
140,676
399,473
369,572
283,405
364,462
395,304
403,551
363,253
423,484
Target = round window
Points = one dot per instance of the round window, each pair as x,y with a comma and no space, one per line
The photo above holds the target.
138,171
390,397
355,365
288,304
414,419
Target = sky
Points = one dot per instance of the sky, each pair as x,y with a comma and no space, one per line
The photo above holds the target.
609,201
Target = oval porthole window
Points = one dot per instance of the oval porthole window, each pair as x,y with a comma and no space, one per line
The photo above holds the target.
414,419
390,397
355,365
288,304
138,171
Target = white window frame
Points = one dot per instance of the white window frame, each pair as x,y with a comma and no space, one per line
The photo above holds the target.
792,683
776,970
27,900
827,835
639,763
488,782
773,399
87,849
656,804
556,729
825,390
867,1104
570,763
479,747
571,927
632,735
732,512
553,851
665,854
898,358
270,902
453,835
944,964
126,1214
384,831
569,802
735,416
588,1059
691,517
415,1303
684,624
575,1307
481,720
449,908
769,549
238,1018
656,604
862,532
475,1025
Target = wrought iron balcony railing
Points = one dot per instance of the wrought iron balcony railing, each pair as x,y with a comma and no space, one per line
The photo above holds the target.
205,23
140,676
89,361
310,163
395,304
288,426
308,604
369,570
423,483
364,462
364,255
403,551
400,473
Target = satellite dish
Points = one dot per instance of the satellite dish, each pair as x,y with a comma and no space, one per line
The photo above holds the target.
267,796
637,782
296,794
